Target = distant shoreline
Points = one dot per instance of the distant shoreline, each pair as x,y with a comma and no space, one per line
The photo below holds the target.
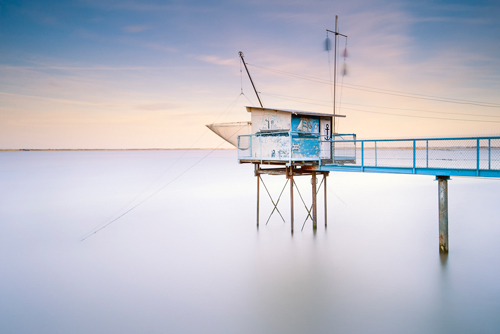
116,149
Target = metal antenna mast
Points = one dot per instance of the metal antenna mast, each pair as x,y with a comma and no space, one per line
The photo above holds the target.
246,68
335,69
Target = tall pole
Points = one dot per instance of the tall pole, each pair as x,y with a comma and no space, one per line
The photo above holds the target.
255,89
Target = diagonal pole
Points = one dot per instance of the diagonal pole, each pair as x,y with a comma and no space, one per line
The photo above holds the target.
309,210
305,205
317,191
277,202
265,187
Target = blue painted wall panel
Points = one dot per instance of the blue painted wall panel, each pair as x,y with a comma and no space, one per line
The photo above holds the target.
305,124
305,147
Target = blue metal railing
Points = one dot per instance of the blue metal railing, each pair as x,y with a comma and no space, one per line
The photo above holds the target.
280,146
471,156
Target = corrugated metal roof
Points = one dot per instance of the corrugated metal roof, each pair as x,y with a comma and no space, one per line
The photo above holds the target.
296,112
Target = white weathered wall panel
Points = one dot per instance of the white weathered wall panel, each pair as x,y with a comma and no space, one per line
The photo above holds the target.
267,119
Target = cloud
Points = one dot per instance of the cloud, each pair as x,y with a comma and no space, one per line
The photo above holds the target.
85,68
156,46
297,18
448,19
76,102
157,106
135,28
143,6
217,60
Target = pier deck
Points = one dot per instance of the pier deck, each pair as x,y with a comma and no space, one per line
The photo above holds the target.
458,156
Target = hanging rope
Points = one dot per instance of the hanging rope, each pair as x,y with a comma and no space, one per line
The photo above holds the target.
328,48
241,77
231,105
157,191
344,73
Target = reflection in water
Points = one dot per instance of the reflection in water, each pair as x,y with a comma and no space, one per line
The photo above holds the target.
444,259
290,295
190,260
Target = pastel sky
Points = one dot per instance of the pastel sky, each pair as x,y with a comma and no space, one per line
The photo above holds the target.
151,74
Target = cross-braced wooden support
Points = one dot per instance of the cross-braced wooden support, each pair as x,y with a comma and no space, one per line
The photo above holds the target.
290,172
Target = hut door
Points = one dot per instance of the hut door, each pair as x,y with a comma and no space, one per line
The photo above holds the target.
325,125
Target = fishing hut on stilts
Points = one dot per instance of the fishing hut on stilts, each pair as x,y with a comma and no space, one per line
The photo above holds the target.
294,143
290,143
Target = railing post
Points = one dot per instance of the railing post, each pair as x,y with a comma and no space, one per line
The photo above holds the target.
414,157
319,144
427,154
355,149
489,153
362,156
260,148
478,147
375,153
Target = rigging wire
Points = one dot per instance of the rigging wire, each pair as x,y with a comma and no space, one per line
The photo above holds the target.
154,193
384,91
157,191
241,78
253,104
231,105
373,106
428,117
241,83
393,114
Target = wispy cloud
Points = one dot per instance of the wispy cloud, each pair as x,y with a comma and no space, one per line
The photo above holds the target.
161,47
143,6
217,60
136,28
157,106
85,68
43,98
448,19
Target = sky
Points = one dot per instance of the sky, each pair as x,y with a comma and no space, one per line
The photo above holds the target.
151,74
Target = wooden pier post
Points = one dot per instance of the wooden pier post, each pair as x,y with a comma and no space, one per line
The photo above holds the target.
326,203
443,212
258,197
290,176
315,209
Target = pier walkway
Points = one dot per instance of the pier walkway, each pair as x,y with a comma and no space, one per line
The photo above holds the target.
296,153
458,156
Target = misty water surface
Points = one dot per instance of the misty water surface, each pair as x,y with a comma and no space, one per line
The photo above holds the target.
190,259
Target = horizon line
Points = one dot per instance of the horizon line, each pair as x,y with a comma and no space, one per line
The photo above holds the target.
115,149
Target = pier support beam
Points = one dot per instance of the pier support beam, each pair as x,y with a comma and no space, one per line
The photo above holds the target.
315,208
326,203
443,212
290,176
258,197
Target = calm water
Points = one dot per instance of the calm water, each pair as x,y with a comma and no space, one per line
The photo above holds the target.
190,260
